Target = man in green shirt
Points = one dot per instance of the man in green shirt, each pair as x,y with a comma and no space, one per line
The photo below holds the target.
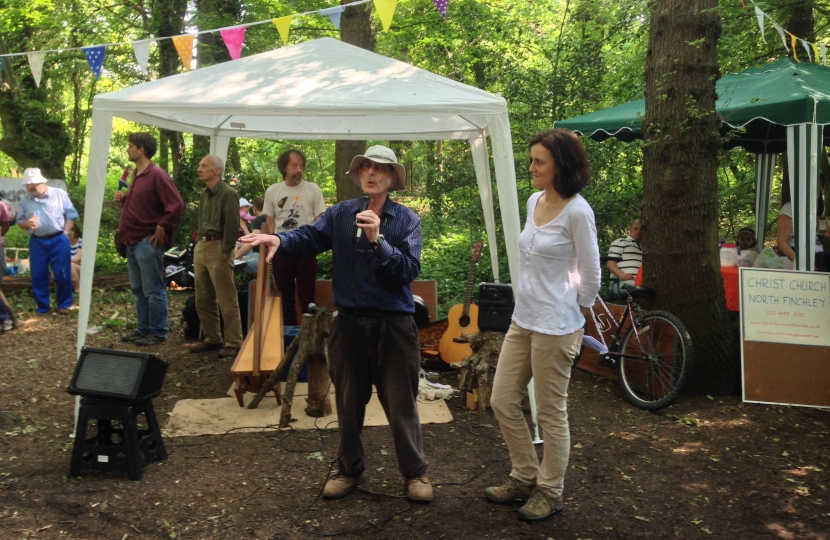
213,261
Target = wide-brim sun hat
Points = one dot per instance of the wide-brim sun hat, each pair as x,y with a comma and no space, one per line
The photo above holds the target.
244,202
380,154
32,176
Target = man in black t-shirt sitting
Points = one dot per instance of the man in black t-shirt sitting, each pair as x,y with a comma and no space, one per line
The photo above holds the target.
246,251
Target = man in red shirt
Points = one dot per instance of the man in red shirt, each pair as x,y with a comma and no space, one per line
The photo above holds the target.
150,209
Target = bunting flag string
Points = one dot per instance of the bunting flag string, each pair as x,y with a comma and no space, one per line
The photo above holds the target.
142,54
813,50
36,64
283,25
95,59
184,46
233,36
386,10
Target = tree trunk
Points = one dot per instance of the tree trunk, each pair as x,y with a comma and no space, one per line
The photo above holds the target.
168,18
680,187
801,22
356,29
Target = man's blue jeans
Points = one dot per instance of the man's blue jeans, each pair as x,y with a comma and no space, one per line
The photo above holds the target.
149,289
43,254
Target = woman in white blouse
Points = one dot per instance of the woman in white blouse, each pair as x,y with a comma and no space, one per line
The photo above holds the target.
558,282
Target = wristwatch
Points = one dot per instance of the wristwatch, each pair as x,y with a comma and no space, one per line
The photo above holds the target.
378,241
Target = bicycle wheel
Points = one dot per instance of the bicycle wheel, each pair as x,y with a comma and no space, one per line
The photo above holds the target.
655,360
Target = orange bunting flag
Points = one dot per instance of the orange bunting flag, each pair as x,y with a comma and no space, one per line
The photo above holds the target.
792,42
184,46
283,24
386,10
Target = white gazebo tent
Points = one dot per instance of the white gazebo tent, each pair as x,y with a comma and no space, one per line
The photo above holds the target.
321,89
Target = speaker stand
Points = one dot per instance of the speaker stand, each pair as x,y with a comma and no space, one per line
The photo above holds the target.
116,447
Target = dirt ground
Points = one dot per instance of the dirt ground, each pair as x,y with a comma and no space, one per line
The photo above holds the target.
702,468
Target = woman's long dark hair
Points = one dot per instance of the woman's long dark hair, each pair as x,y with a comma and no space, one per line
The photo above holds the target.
572,172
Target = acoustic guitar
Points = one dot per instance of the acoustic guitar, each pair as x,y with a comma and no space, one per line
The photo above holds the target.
462,318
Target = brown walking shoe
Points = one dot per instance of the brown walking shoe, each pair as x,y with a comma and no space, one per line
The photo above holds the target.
510,491
204,347
340,485
418,488
540,507
228,352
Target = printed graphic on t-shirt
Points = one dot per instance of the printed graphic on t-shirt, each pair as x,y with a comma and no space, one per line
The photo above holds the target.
288,217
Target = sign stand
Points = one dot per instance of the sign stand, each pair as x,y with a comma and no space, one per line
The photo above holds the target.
785,337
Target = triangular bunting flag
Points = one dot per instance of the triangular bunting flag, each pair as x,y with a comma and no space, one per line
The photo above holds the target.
442,6
334,14
234,37
823,49
795,54
283,24
36,64
95,58
184,46
760,15
386,10
142,54
781,33
815,51
807,48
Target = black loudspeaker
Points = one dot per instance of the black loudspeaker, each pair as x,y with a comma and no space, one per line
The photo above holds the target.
495,306
121,375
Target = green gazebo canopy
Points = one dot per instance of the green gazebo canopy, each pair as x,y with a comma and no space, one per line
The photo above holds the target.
780,107
755,106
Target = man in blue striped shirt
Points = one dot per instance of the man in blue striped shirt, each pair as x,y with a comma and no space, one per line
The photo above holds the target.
47,214
376,256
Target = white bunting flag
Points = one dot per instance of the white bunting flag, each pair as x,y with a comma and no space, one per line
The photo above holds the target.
760,15
142,53
807,48
36,64
334,14
782,34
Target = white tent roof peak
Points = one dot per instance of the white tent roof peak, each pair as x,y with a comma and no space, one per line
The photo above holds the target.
319,78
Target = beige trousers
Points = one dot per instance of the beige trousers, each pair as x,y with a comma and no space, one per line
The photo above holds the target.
548,359
214,282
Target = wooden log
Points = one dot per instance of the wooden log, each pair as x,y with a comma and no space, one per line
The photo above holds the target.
312,339
318,403
479,367
275,376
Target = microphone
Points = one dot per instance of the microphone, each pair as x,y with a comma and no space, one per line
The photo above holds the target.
364,204
122,182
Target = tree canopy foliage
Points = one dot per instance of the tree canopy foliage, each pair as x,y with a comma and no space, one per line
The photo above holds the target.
550,59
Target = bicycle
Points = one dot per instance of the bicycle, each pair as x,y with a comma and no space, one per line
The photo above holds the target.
654,355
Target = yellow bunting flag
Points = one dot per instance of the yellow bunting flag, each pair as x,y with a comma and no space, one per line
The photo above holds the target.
815,52
386,10
184,46
283,24
792,41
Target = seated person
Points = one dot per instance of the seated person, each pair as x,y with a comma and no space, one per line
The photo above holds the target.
746,240
76,243
246,251
630,252
245,218
786,237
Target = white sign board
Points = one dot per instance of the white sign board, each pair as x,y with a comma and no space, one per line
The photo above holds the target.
12,190
785,306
